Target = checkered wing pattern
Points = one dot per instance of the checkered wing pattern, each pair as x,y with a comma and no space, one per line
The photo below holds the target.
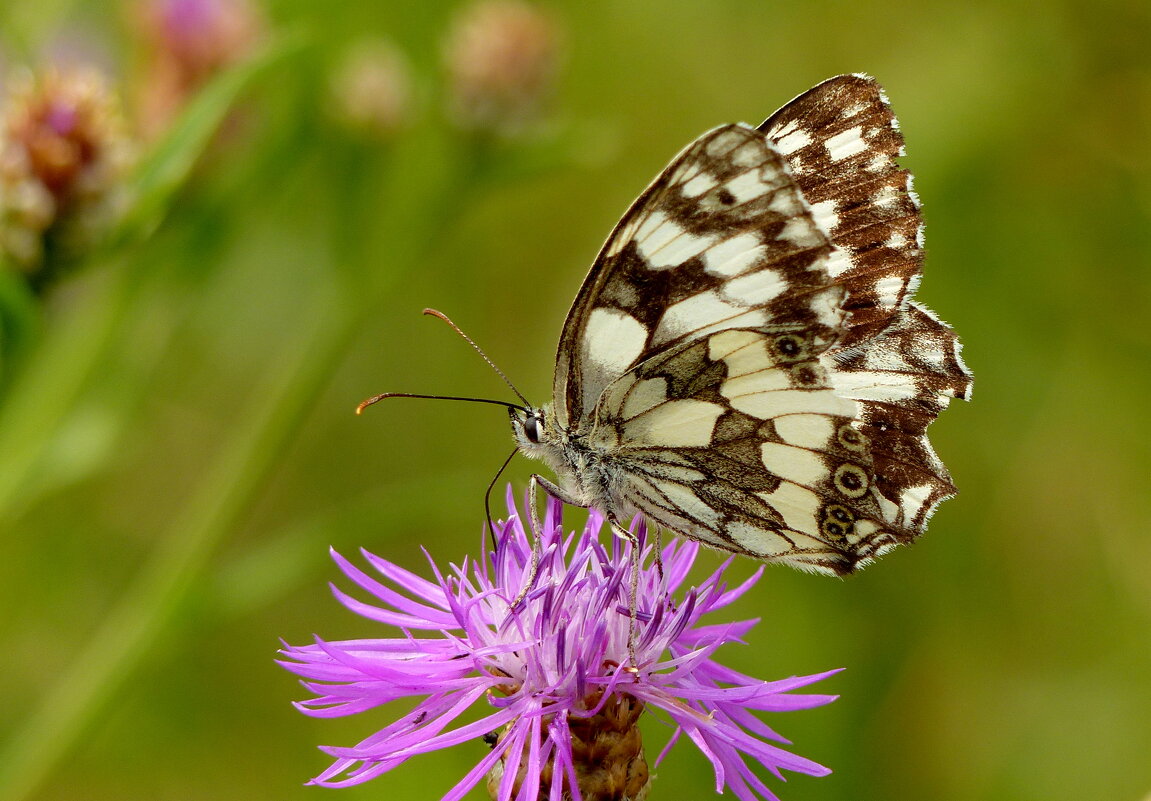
841,140
745,363
721,239
740,440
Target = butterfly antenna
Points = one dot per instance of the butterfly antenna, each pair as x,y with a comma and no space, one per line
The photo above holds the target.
377,398
479,350
488,495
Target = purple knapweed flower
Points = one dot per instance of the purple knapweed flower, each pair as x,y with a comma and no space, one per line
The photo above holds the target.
186,43
556,671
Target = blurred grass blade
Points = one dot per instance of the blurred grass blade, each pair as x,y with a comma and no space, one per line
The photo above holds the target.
162,172
122,643
18,315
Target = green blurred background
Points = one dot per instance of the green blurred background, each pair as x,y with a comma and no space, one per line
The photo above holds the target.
187,399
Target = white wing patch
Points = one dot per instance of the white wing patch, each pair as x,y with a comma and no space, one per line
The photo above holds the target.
805,430
847,144
613,340
913,500
802,232
663,243
683,497
798,465
674,424
703,313
826,216
758,287
758,540
744,351
735,256
876,386
750,397
890,290
702,182
792,141
838,263
748,187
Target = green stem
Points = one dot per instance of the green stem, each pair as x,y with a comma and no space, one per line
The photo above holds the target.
51,383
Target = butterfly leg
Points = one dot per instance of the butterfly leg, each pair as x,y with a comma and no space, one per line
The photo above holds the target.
537,482
659,553
619,530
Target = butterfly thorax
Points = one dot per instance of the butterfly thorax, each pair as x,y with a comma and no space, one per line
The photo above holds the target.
586,473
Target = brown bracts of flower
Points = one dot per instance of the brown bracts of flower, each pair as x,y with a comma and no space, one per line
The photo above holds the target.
64,152
607,754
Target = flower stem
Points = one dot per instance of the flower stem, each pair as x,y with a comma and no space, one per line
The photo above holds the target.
52,381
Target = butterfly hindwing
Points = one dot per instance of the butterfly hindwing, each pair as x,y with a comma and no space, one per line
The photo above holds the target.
903,378
739,440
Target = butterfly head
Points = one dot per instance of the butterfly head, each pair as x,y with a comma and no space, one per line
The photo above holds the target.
539,437
529,427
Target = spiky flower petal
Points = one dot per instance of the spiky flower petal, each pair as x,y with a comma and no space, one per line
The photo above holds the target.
563,696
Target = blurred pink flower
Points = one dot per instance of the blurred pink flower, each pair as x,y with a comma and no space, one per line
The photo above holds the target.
187,42
501,57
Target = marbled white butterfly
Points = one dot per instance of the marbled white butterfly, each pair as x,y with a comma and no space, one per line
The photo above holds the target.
744,363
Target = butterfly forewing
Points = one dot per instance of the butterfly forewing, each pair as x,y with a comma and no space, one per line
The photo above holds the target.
841,140
721,239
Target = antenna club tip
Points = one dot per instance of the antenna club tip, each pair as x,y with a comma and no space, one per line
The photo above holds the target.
365,404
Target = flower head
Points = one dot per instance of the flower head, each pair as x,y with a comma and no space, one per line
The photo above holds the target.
372,88
501,58
63,155
187,42
555,669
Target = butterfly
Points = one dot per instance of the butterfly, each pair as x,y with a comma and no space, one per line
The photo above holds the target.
744,363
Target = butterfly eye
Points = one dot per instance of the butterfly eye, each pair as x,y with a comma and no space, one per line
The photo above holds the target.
532,427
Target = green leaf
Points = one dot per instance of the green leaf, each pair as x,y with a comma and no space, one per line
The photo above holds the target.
162,173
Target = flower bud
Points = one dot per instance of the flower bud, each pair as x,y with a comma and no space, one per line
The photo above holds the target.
501,58
186,43
371,88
